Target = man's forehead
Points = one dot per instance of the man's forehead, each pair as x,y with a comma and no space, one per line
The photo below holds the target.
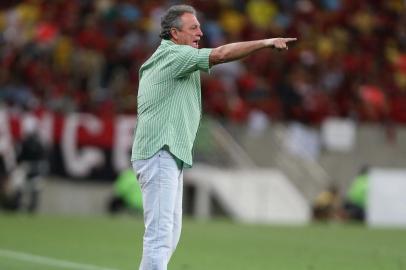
189,18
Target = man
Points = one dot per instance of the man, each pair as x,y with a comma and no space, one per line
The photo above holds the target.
356,199
169,111
127,194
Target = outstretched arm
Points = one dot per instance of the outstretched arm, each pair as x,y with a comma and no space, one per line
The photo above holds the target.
238,50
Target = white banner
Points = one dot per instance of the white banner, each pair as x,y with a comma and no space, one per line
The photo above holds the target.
387,198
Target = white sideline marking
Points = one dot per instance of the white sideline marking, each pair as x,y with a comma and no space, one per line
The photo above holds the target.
48,261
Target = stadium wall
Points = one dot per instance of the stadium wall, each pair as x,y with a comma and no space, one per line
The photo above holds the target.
373,144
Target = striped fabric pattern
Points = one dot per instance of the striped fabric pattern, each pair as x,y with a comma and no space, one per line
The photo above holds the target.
169,101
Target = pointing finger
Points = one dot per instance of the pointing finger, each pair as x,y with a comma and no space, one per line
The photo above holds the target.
290,39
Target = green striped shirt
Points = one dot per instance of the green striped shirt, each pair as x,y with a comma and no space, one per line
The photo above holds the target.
169,101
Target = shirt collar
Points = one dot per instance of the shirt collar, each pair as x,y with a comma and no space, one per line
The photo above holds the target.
167,42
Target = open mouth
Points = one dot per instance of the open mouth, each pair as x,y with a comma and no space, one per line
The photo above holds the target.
196,43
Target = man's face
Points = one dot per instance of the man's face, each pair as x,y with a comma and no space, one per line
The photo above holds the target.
190,33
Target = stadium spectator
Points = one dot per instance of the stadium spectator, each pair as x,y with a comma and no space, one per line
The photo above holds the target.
84,56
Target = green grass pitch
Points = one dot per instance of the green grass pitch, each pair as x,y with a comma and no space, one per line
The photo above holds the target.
115,243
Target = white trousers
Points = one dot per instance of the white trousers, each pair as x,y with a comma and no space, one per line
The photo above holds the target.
161,180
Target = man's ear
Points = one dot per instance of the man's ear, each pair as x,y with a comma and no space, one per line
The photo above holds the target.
174,33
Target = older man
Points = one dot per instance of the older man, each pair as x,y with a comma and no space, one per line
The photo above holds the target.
169,112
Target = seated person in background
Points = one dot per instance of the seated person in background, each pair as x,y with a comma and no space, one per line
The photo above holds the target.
33,160
355,203
11,188
3,182
325,206
127,193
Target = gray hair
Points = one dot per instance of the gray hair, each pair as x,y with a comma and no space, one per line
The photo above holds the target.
171,19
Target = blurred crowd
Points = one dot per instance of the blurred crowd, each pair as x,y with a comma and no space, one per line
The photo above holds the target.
84,55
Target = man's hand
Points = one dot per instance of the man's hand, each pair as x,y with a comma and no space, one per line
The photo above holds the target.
279,43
